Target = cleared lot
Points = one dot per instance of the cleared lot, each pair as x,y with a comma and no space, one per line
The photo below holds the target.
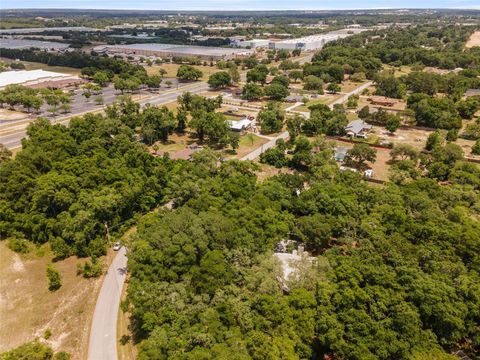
27,308
474,40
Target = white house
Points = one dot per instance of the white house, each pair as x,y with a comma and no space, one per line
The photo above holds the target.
240,125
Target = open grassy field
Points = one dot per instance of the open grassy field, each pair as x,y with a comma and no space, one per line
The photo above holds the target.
399,71
324,99
474,40
348,86
28,308
175,142
172,70
248,143
35,66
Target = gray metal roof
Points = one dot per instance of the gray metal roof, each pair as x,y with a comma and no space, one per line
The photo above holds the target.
27,44
182,49
357,126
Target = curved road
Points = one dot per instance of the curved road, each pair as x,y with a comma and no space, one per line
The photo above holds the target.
103,332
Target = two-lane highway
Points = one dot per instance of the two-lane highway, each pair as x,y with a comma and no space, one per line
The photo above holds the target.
11,134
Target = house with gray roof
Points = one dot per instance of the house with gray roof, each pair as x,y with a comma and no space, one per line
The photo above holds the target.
358,128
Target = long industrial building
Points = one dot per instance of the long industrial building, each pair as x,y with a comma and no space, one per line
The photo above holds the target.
168,50
38,79
49,29
313,42
9,43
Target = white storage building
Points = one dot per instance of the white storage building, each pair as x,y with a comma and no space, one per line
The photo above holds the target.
252,44
37,78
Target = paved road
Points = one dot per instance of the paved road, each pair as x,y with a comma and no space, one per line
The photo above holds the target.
103,333
11,134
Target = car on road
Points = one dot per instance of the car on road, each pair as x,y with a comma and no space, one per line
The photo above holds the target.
117,246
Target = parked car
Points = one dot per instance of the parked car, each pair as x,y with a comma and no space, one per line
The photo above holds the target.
117,246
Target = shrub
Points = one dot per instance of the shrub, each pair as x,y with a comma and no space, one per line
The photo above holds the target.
18,245
90,269
31,351
54,279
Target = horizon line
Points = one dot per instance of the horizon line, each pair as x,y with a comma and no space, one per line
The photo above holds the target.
251,9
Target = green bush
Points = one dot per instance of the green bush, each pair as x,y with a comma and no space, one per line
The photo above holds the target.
90,269
18,245
62,355
29,351
54,279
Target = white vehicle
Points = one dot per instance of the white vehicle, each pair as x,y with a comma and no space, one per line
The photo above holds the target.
117,246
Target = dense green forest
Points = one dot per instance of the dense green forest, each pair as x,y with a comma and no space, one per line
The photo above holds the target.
69,184
397,271
397,274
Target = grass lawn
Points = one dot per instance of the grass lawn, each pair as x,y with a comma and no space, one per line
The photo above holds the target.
172,106
325,99
172,70
381,169
352,116
28,308
248,143
399,71
36,66
348,86
175,142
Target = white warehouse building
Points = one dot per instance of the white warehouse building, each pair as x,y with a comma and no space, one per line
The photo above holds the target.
313,42
37,79
251,44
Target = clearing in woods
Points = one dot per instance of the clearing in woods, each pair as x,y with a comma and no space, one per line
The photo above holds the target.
474,40
27,308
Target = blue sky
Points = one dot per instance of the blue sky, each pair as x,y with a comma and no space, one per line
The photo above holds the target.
238,4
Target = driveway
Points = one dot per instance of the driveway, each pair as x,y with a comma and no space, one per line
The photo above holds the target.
103,332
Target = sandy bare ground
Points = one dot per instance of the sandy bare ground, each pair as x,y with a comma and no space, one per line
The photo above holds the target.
474,40
10,115
27,308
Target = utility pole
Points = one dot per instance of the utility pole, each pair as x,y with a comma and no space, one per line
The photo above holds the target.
107,232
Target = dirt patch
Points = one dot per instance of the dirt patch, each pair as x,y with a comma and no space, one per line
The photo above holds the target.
474,40
9,115
266,171
17,264
28,308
